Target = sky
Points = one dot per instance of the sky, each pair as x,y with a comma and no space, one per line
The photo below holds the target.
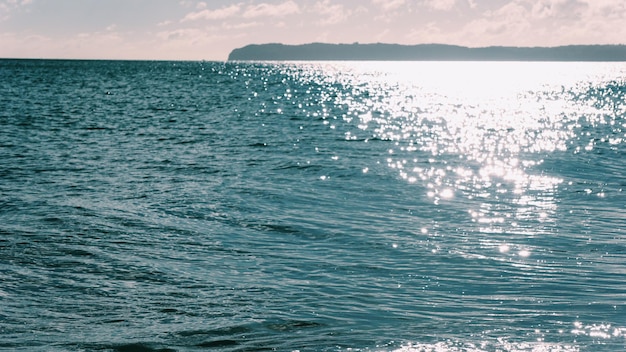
209,30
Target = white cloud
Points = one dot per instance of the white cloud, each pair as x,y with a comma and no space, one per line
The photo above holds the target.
389,5
428,33
558,9
606,9
180,33
270,10
218,14
330,13
237,10
440,5
389,11
600,21
508,25
243,25
546,23
574,9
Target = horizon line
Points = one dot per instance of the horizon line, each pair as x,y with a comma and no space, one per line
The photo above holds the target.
316,43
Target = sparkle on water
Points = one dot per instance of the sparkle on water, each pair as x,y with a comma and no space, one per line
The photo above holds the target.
475,134
497,123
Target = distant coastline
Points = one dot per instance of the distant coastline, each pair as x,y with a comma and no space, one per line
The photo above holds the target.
424,52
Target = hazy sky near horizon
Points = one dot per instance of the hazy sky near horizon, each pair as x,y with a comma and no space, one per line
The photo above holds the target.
209,30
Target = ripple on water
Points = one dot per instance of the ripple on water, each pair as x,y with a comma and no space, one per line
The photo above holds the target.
312,206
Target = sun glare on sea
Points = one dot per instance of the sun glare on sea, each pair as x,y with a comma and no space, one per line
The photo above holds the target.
487,153
474,132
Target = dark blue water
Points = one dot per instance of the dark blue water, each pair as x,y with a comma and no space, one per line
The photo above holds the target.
190,206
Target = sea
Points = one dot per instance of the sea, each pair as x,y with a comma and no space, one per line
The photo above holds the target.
312,206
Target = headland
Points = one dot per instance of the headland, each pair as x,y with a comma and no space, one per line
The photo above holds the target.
424,52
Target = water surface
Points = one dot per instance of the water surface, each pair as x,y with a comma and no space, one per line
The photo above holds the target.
187,206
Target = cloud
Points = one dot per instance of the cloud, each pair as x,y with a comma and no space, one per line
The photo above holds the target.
574,9
200,28
558,9
186,3
510,24
18,2
599,21
180,33
218,14
19,46
389,5
546,23
269,10
237,10
428,33
7,7
606,9
330,13
100,37
389,11
440,5
243,25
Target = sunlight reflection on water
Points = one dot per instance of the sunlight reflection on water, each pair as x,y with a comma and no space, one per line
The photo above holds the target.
472,131
599,331
476,137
